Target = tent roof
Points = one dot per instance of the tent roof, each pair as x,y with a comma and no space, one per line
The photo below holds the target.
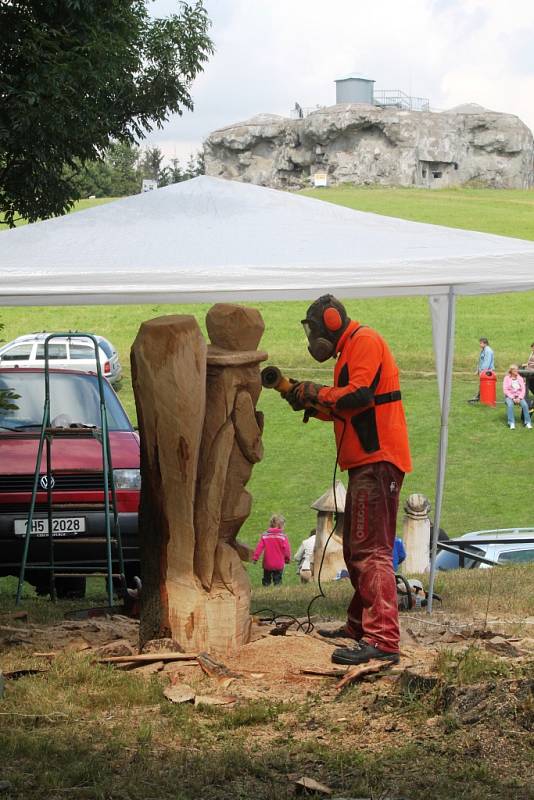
211,239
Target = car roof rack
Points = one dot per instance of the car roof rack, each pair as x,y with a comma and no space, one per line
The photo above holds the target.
47,434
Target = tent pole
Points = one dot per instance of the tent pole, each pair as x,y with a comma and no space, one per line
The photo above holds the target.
443,439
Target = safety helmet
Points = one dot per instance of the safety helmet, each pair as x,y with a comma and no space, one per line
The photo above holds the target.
326,319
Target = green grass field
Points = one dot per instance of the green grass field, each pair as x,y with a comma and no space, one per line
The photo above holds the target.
81,205
509,212
299,460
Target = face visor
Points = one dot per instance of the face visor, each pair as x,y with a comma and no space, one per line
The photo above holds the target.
319,347
307,325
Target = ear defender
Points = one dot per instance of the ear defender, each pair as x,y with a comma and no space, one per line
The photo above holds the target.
332,319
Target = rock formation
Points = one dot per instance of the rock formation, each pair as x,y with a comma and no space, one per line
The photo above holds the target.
200,437
366,144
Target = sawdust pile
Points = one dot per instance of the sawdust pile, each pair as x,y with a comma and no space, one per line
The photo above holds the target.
282,655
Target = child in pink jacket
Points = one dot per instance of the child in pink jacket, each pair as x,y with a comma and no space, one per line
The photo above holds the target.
514,395
274,545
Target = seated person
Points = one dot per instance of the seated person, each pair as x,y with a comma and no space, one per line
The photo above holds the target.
514,395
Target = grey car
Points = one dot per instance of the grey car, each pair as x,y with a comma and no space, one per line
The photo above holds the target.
64,353
503,551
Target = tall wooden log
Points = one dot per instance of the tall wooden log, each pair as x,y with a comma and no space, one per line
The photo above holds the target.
206,605
169,381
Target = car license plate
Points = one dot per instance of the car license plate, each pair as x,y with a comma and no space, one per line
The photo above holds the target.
61,526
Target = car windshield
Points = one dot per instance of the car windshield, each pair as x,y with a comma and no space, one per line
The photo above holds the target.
447,560
519,556
74,399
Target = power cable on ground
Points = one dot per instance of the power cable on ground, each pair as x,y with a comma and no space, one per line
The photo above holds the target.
309,627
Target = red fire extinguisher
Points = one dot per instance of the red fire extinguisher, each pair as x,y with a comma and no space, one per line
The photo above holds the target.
488,387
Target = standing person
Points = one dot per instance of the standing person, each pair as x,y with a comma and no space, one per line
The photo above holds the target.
486,361
514,395
274,545
372,444
304,558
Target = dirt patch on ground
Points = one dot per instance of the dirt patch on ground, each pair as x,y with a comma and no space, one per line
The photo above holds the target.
262,698
68,635
511,700
269,667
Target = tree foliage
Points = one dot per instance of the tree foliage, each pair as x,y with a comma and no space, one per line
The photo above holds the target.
150,164
76,75
122,167
7,395
115,174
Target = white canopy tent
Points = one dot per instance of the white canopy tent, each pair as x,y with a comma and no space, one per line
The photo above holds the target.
209,239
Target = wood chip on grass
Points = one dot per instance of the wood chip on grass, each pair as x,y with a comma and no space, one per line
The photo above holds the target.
180,693
183,693
147,657
215,669
359,671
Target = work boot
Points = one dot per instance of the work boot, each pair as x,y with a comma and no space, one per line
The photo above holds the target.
362,654
336,633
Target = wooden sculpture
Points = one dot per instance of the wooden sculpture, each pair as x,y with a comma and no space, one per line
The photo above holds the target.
326,506
416,534
200,437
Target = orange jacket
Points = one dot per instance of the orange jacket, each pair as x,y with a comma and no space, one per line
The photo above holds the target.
369,421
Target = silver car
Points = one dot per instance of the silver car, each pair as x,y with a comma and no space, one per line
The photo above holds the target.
66,352
502,551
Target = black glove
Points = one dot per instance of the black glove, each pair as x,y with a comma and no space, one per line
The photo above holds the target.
308,392
292,398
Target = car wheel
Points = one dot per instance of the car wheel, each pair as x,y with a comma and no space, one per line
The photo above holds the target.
70,588
131,571
41,587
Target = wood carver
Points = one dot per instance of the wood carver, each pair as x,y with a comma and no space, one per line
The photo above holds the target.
200,437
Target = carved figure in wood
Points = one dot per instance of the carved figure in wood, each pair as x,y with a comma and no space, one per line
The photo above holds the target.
200,438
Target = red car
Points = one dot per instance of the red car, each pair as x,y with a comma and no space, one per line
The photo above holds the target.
77,475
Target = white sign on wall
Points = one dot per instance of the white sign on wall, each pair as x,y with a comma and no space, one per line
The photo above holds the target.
320,179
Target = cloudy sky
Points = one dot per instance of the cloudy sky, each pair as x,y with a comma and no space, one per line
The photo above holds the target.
271,53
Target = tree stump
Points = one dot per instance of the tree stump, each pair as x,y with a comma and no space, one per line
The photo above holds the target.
200,437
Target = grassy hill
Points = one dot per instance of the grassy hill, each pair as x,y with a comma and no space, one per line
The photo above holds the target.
508,212
81,205
299,459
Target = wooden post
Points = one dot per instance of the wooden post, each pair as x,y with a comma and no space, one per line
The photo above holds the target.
416,534
200,436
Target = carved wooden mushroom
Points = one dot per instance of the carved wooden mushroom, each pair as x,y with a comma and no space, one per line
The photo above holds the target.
326,507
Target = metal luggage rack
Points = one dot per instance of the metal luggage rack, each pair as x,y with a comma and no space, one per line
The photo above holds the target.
46,436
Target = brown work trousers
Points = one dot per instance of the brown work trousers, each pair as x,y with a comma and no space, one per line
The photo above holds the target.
368,538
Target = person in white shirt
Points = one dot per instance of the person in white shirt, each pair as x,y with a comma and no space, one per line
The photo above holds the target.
304,558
